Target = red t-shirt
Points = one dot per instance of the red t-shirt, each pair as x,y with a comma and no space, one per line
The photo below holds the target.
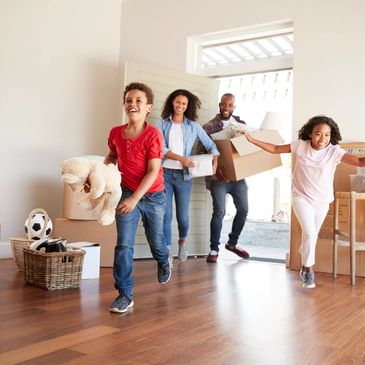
134,154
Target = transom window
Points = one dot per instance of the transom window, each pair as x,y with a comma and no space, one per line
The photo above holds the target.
247,50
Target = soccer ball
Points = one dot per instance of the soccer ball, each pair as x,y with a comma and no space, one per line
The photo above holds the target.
36,225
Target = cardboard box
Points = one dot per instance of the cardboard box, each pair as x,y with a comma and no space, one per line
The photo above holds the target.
89,231
324,249
71,209
240,159
91,266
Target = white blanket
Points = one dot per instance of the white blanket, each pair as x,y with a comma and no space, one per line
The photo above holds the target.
203,165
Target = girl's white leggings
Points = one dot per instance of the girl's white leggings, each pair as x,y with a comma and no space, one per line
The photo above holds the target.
310,218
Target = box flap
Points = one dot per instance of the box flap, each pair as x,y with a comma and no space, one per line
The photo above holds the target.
244,147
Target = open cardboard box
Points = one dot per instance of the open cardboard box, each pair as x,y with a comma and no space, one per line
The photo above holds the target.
240,159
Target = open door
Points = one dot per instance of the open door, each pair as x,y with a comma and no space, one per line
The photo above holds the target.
163,82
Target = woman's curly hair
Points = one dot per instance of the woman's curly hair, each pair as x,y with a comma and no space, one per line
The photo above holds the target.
191,111
308,127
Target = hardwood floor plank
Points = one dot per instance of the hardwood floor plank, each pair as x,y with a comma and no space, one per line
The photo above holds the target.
48,346
55,358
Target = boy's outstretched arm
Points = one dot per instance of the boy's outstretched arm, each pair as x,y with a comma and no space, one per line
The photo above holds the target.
269,147
353,160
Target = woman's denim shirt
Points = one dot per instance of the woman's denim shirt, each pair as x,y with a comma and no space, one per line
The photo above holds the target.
191,130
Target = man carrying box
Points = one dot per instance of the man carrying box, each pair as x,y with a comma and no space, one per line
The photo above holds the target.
220,186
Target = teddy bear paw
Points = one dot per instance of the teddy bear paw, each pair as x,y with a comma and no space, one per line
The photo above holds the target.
106,218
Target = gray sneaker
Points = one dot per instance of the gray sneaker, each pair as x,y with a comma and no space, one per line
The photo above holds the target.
183,253
121,304
164,272
308,280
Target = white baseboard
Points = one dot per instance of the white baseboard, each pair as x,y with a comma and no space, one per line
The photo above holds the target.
5,250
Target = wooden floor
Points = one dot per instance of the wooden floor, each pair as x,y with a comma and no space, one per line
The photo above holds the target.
233,312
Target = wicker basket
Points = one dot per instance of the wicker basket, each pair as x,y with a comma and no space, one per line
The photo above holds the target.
56,270
17,246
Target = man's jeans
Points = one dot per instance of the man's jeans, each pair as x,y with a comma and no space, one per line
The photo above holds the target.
152,209
219,190
176,185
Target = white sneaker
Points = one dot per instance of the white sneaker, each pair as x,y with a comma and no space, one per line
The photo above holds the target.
183,253
171,259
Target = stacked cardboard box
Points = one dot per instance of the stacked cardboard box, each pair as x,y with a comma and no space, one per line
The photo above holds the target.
72,211
81,225
324,253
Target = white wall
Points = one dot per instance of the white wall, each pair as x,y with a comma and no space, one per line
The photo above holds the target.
59,96
328,51
329,75
59,79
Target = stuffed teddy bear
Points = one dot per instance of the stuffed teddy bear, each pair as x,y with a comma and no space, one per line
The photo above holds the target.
103,181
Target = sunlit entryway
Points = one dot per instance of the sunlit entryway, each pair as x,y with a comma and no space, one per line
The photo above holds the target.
264,100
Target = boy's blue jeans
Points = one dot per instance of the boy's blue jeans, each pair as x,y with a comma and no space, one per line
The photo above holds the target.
152,209
176,185
219,190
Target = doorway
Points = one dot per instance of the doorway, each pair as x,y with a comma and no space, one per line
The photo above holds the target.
266,233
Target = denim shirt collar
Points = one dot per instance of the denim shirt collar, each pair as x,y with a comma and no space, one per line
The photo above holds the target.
185,122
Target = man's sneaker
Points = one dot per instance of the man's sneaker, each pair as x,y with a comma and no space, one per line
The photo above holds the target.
164,273
183,253
238,250
121,304
302,272
213,256
171,259
308,280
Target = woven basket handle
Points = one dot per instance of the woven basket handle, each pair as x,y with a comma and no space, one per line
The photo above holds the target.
46,219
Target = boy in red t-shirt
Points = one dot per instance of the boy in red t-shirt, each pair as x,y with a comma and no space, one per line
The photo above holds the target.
137,149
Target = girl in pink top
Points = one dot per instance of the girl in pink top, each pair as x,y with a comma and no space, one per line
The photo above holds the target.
317,154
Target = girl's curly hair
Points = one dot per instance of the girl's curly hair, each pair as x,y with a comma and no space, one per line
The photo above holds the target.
307,129
191,111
